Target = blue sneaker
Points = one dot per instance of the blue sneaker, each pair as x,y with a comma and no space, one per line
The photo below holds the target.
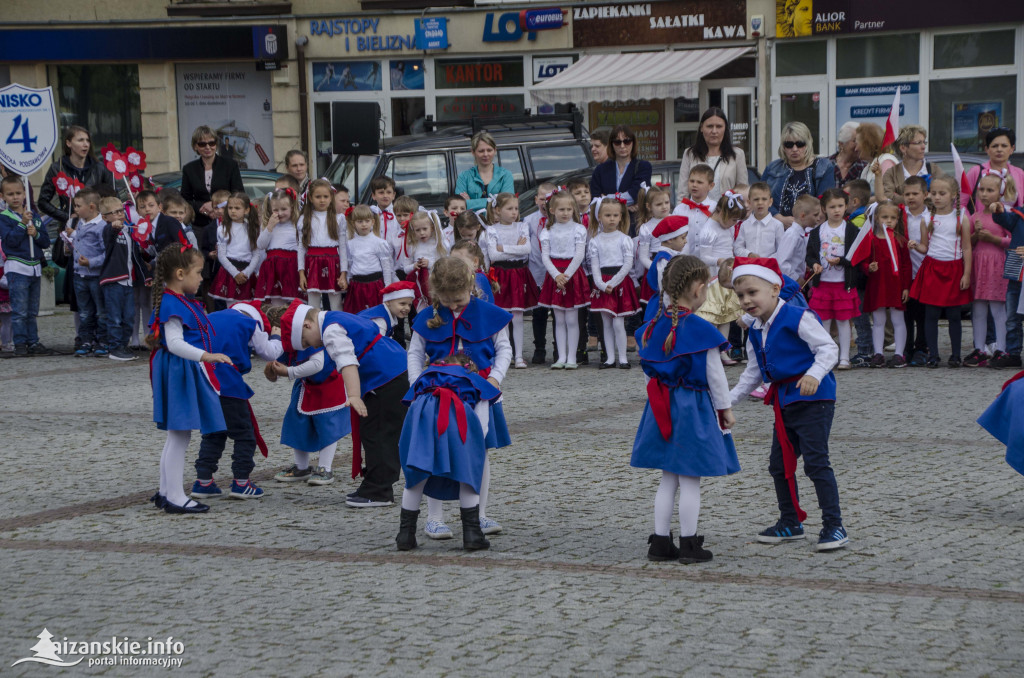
778,533
436,529
488,526
83,350
832,538
245,491
205,492
101,352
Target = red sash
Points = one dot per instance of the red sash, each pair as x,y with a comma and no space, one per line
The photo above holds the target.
357,442
657,394
788,453
448,400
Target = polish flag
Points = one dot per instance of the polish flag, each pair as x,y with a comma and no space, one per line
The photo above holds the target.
892,123
958,171
860,249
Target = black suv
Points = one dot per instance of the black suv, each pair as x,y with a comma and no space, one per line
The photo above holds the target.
426,166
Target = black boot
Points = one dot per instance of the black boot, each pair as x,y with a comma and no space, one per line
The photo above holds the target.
690,550
406,538
473,538
662,548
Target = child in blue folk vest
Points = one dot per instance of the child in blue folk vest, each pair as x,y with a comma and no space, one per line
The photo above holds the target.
682,431
381,362
795,355
670,236
442,447
185,385
236,331
1002,419
398,298
459,322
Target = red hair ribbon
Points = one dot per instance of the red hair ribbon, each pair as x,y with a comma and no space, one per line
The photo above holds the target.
618,196
290,192
447,401
185,244
348,211
661,184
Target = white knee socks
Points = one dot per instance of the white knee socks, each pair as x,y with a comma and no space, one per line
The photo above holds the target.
335,299
301,459
314,300
172,466
689,504
899,329
413,496
517,334
327,456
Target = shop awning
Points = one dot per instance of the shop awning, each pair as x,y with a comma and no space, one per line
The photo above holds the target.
634,75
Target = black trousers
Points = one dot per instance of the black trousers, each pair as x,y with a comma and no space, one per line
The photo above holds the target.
239,423
380,431
539,319
914,318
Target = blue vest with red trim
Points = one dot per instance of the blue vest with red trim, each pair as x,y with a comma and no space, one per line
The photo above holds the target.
471,333
232,332
787,356
652,272
380,359
379,311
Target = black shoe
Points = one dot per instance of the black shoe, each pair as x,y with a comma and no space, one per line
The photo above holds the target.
473,538
877,360
1005,360
919,359
953,362
582,358
662,548
539,357
158,500
975,358
625,366
38,349
190,506
406,539
691,551
21,350
932,363
605,366
356,501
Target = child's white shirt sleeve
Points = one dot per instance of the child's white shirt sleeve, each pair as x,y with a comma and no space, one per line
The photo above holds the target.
340,347
749,380
174,335
265,347
825,349
416,356
222,252
382,325
717,381
580,236
502,355
627,263
308,368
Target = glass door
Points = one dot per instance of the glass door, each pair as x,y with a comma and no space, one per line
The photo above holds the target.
810,108
739,108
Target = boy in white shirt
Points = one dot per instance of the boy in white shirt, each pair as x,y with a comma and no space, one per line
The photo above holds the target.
760,234
792,252
698,207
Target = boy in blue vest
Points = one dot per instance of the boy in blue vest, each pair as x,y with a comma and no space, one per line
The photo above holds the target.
795,355
236,331
396,306
383,382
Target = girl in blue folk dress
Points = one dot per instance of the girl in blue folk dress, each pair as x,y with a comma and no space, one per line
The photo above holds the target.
683,429
442,446
1003,420
185,388
459,322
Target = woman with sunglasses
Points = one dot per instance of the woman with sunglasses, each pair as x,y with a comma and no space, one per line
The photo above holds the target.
206,175
623,172
713,148
910,147
796,172
1000,143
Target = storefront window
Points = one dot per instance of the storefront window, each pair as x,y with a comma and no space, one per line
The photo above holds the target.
347,76
800,58
878,56
408,115
990,48
686,109
962,111
104,99
407,75
322,129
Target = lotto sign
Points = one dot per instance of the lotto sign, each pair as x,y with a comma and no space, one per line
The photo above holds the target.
28,127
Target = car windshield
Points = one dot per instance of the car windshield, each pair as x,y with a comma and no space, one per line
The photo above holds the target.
343,171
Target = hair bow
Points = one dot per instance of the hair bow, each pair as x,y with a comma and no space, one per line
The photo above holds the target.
222,205
333,189
290,192
906,213
735,200
348,211
492,200
596,202
988,171
185,244
553,192
644,186
662,184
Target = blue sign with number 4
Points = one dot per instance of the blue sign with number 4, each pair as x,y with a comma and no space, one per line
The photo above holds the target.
28,128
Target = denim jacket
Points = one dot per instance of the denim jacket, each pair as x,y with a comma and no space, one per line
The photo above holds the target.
775,175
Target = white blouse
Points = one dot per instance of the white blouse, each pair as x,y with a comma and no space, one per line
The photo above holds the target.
943,242
610,250
238,249
563,241
283,237
421,250
321,238
369,254
508,236
713,242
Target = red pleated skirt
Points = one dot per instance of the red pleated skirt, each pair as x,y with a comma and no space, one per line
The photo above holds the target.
363,295
323,266
938,283
621,301
517,289
576,293
225,288
279,276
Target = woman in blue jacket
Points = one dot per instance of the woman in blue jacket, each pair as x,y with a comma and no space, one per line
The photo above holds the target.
624,172
484,177
797,171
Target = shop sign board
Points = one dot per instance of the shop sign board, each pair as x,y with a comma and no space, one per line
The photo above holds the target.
548,67
362,35
801,18
871,103
972,121
658,23
541,19
432,33
645,118
28,128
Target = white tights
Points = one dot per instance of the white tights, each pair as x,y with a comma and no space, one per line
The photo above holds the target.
412,496
614,337
567,334
315,300
979,322
517,334
172,467
325,460
843,327
899,329
689,504
435,507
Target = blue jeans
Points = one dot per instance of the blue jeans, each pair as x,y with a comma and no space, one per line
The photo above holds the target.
1013,319
24,291
808,424
92,312
120,304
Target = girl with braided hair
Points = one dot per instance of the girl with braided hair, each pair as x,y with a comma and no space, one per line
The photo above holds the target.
684,427
185,387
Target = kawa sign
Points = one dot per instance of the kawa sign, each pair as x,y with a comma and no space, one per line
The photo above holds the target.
28,127
658,23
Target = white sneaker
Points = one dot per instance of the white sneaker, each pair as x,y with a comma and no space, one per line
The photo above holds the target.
521,364
844,365
435,529
891,347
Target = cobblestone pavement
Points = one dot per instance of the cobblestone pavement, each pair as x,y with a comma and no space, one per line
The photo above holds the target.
298,584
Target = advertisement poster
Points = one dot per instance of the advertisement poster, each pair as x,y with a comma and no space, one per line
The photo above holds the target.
658,23
233,99
406,75
645,118
972,120
801,18
871,103
347,76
